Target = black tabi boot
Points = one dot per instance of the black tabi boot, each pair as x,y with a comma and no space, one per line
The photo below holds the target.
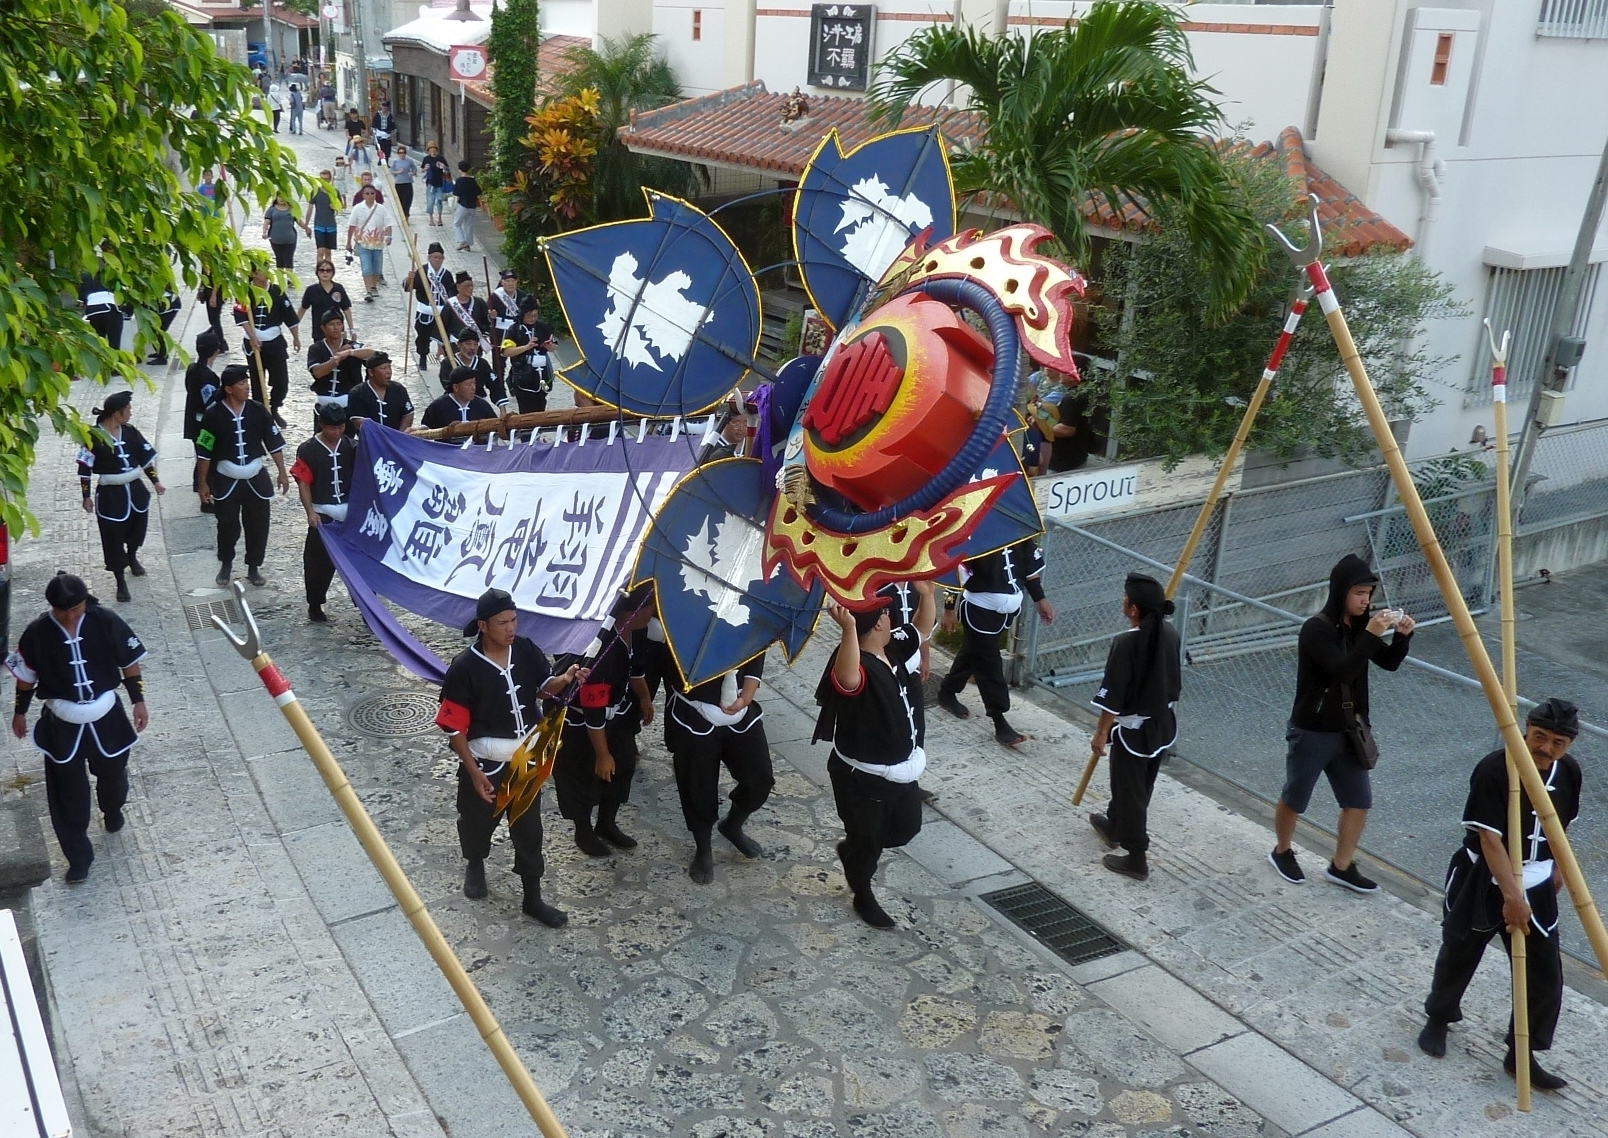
255,577
702,869
732,830
586,839
534,906
134,566
1432,1040
315,613
1129,865
1005,733
608,828
225,573
873,914
1540,1078
122,587
114,821
474,879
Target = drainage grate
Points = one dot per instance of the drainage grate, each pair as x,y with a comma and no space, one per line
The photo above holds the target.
1057,925
200,616
394,714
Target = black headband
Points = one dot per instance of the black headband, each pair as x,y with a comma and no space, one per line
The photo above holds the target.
1556,715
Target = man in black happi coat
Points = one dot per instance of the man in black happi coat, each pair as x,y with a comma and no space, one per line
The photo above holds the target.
237,435
323,472
118,455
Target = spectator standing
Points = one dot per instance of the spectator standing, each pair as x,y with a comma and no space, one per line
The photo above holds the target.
297,104
368,230
320,217
437,178
326,105
467,191
279,227
276,104
403,170
1331,701
384,126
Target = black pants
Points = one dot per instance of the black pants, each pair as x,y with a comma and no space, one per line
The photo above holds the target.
575,779
1132,781
276,361
109,325
1459,958
979,659
477,821
284,254
529,401
877,814
317,569
424,334
67,793
697,761
404,197
120,541
242,509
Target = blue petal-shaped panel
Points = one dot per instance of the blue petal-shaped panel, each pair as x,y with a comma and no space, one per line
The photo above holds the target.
855,212
664,310
705,555
1015,517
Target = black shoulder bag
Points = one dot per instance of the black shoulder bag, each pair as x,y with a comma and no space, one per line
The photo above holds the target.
1359,736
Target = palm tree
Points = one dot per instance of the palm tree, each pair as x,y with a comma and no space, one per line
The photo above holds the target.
628,75
1104,113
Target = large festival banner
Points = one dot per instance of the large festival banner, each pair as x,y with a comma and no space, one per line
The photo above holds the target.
432,526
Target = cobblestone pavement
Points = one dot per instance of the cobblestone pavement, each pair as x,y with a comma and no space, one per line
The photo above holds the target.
234,966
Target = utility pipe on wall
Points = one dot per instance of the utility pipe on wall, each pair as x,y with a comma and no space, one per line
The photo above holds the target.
1431,170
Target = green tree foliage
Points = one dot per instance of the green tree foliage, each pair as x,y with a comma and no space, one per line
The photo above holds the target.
1188,379
105,132
628,75
515,41
1105,112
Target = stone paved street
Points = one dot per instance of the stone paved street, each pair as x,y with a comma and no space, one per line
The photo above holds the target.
234,967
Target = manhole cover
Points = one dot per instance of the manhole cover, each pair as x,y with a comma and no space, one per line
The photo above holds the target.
394,713
200,616
1061,927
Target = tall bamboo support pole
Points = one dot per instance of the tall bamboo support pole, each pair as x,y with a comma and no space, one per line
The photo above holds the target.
1510,687
1457,607
418,268
373,842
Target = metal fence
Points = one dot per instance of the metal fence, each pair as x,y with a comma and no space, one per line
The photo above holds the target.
1263,568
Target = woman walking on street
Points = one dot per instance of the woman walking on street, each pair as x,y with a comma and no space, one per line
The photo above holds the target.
279,227
276,104
321,209
437,180
403,169
467,191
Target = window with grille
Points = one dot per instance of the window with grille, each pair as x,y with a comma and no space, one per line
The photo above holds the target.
1574,19
1521,301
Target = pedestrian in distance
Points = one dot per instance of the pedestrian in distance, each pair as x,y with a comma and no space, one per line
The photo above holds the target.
383,127
360,155
459,403
355,127
320,218
437,182
200,389
379,399
467,191
326,295
1136,701
323,472
237,436
296,103
403,171
490,701
871,710
74,657
279,225
1329,722
1486,894
276,104
993,586
328,110
117,456
368,231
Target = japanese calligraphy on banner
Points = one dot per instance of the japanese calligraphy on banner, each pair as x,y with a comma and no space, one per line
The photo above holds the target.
468,61
431,527
840,45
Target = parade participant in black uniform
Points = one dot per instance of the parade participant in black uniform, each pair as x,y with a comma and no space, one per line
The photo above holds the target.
425,330
117,455
378,398
993,588
903,601
871,710
323,473
460,404
265,326
503,306
1486,895
200,389
490,700
326,295
525,346
237,434
597,756
100,309
73,657
461,308
210,297
166,314
1142,682
335,362
718,722
487,385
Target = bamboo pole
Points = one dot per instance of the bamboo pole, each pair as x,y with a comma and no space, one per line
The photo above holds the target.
1298,307
373,842
1519,951
420,274
1484,671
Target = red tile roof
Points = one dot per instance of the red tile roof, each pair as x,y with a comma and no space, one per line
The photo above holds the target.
551,59
742,126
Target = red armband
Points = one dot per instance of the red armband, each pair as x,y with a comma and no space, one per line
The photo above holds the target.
856,689
301,472
453,718
596,695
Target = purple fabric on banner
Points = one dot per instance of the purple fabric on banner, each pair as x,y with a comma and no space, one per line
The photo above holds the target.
765,433
409,651
431,526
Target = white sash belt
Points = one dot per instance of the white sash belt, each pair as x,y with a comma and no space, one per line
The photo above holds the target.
334,511
100,298
330,400
121,479
82,712
908,771
238,472
264,335
423,309
493,753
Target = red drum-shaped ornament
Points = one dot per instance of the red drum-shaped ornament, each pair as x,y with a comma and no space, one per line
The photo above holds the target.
899,399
